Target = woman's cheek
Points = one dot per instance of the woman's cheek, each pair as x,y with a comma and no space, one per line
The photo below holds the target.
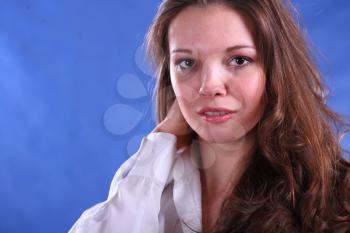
186,90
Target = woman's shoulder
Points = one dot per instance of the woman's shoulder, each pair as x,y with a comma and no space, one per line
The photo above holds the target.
155,148
342,179
340,198
136,189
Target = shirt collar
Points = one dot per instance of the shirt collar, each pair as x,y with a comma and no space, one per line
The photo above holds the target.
187,189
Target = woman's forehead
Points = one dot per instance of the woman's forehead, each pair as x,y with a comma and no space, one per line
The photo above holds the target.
210,28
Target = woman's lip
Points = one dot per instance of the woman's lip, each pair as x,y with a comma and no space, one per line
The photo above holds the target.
217,118
214,109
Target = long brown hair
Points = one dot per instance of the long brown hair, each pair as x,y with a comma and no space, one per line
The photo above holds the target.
298,179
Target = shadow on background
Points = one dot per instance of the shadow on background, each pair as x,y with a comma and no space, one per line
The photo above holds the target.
76,99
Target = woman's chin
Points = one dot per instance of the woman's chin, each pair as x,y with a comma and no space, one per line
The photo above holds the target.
217,137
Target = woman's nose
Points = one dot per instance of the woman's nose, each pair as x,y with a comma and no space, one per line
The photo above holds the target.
213,81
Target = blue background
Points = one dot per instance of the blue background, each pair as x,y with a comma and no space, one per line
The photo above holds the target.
75,99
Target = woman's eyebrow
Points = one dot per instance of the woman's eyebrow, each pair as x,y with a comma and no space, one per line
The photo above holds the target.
179,50
237,47
229,49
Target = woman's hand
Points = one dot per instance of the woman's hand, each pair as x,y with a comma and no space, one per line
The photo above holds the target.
176,124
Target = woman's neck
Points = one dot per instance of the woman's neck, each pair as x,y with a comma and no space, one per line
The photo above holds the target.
221,166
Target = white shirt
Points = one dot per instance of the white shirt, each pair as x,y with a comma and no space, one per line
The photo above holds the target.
156,190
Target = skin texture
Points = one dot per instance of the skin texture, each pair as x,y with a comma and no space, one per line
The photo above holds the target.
204,73
297,179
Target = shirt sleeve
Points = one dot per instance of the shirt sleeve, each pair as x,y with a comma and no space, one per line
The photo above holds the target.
133,202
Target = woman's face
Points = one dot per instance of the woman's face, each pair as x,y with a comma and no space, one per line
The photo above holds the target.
214,64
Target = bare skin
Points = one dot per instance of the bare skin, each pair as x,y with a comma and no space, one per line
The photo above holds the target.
214,62
176,124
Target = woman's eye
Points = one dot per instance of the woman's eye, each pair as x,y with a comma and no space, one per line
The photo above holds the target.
185,64
240,61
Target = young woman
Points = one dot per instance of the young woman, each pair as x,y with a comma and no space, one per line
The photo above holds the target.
244,141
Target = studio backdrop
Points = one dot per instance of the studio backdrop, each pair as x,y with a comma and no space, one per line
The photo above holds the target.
76,98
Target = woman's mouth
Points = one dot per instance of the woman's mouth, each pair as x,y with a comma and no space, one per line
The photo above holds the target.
216,117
